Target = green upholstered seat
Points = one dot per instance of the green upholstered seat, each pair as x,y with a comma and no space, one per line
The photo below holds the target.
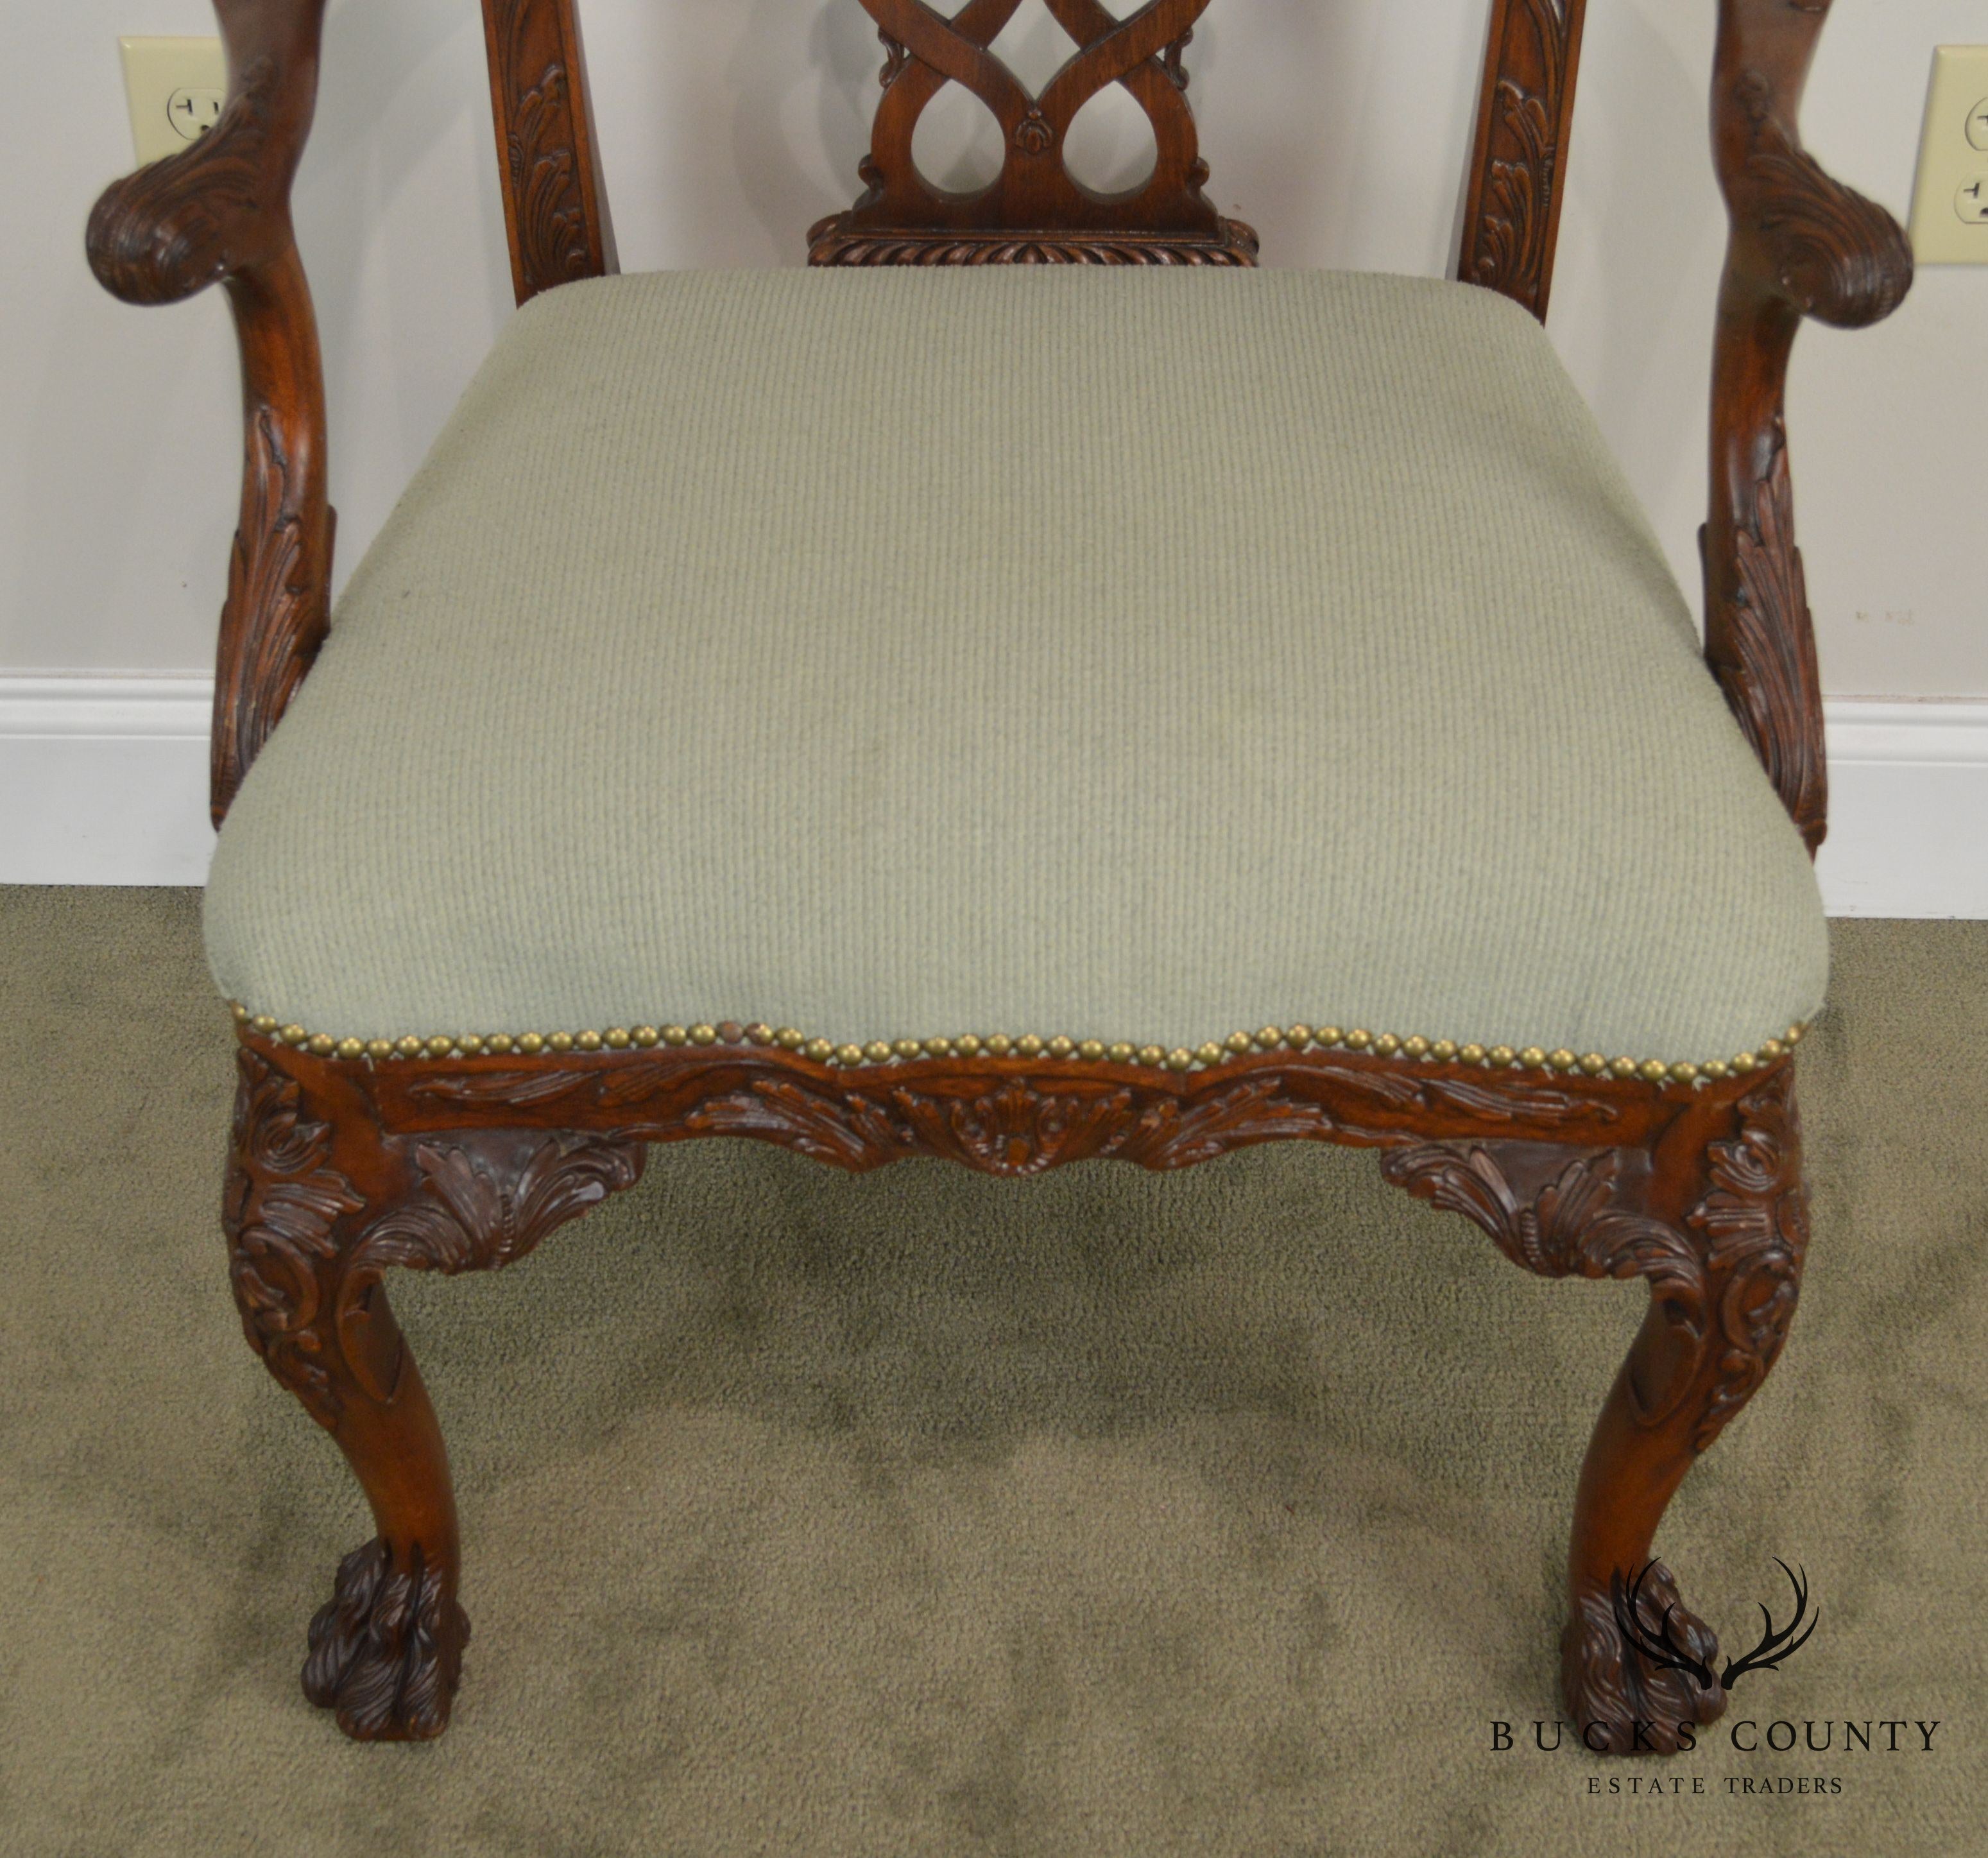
1139,655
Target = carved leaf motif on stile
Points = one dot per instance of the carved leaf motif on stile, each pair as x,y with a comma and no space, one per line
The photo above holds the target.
283,1199
553,240
552,228
179,225
1514,232
1510,242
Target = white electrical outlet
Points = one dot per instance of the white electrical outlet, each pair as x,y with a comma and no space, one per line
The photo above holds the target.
1950,203
175,87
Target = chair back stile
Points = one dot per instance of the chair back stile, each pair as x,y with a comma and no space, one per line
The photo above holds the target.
1034,211
555,208
1518,160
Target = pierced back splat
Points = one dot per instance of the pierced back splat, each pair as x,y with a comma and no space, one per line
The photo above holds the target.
1035,210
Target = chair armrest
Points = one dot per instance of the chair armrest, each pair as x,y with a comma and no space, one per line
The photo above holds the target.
1801,245
220,213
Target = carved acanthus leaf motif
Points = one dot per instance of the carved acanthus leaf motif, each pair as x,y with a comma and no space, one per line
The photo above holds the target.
475,1203
1015,1127
1504,1102
1572,1228
539,132
848,1130
994,1121
552,218
475,1212
1733,1287
506,1089
1018,1129
276,613
1512,240
1836,255
1755,1221
282,1203
1508,248
1568,1229
1766,663
179,225
1170,1134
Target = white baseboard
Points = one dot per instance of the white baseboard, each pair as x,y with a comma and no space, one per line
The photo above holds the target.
1908,809
104,781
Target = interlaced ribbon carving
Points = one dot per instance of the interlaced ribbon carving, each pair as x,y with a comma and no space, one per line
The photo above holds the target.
1035,192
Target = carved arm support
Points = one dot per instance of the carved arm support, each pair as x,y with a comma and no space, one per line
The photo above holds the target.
220,213
1801,245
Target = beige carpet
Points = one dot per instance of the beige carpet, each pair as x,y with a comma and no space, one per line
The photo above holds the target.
923,1513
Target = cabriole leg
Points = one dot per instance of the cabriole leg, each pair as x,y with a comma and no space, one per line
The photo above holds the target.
1717,1221
1746,1211
316,1211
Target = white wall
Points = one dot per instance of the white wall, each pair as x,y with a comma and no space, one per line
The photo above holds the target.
1338,127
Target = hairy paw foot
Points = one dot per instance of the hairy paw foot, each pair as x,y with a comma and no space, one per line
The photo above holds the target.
386,1650
1636,1667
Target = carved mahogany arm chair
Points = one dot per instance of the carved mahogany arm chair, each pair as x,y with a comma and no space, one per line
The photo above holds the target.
1028,687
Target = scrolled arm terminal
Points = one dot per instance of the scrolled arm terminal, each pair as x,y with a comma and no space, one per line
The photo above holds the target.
199,217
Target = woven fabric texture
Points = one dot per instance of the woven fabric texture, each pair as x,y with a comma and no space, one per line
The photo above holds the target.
1139,656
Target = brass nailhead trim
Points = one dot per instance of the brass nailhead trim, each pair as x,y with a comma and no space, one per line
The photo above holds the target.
1414,1049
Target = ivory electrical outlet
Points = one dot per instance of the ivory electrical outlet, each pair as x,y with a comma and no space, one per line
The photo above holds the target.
175,87
1950,202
